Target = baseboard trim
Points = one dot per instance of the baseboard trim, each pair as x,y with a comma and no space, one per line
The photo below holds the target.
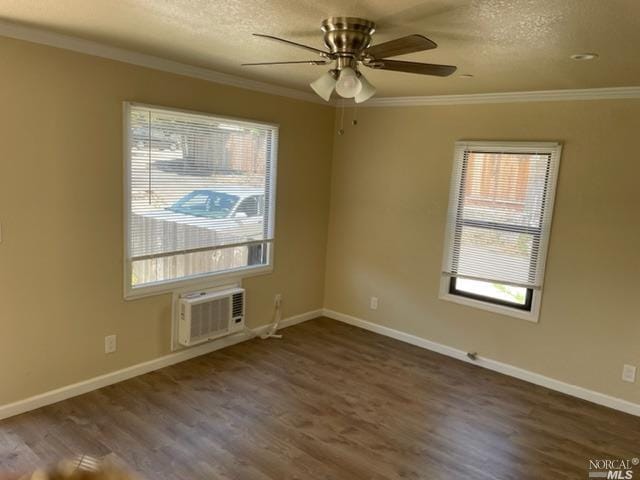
526,375
85,386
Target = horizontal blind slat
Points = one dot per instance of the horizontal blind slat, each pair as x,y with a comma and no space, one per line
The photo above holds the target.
198,250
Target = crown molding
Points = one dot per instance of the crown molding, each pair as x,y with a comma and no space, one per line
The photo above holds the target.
67,42
508,97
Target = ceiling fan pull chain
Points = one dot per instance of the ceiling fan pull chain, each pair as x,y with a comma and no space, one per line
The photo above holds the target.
354,122
341,129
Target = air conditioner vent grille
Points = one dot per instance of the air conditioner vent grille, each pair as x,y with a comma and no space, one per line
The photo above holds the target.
210,318
238,305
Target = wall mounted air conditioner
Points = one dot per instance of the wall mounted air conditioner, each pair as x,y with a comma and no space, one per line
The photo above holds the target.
204,316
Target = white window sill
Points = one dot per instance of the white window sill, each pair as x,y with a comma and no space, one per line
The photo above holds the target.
199,282
491,307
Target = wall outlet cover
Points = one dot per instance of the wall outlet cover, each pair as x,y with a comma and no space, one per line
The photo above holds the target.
629,373
110,344
373,303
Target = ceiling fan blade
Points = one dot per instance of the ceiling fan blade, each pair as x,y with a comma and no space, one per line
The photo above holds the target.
308,62
414,67
289,42
401,46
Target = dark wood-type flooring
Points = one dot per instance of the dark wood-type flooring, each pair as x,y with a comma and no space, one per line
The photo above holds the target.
329,401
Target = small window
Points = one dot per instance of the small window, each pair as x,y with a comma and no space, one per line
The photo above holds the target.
199,198
499,224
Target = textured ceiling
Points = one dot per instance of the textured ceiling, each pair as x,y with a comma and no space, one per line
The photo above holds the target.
508,45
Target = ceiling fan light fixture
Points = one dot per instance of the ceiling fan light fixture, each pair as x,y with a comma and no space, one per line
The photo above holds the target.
366,92
348,84
348,42
324,86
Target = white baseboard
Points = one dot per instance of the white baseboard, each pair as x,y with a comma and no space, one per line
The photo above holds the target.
59,394
303,317
527,376
95,383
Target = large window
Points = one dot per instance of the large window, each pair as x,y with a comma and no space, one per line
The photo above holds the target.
199,197
498,226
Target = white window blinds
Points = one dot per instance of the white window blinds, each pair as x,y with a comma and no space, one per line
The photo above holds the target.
500,212
200,194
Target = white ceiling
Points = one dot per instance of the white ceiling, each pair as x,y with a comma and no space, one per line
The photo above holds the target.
507,45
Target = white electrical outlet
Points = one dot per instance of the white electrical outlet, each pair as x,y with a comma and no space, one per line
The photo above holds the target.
373,303
629,373
277,300
110,344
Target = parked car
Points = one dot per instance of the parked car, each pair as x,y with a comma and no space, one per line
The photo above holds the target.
220,204
199,219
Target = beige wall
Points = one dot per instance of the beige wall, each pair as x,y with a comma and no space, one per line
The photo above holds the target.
390,185
61,215
61,212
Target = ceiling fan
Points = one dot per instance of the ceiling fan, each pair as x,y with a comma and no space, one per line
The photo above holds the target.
349,42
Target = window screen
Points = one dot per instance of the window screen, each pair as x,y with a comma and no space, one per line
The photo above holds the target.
499,219
200,195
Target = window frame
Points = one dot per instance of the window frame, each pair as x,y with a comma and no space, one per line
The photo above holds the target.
526,306
204,280
531,310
